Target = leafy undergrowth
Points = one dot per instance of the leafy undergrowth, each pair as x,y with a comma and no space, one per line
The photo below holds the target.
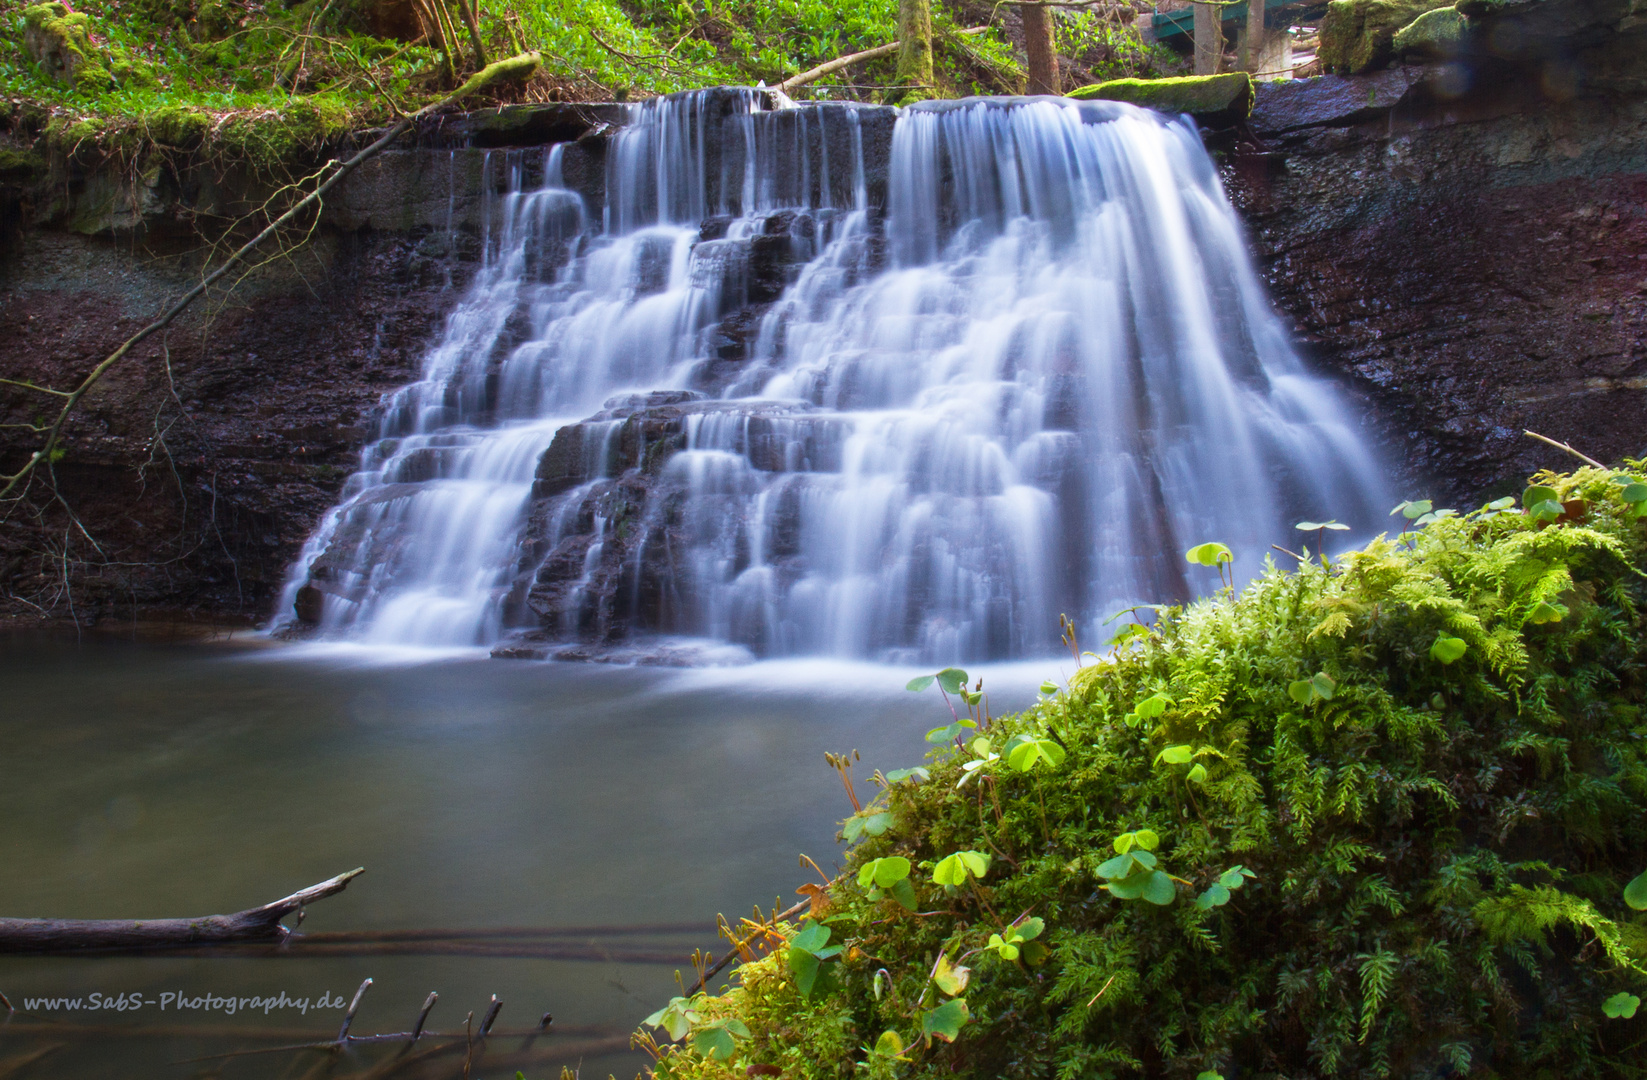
265,81
1374,818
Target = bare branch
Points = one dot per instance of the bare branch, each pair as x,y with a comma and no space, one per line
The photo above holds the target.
1563,446
795,82
503,69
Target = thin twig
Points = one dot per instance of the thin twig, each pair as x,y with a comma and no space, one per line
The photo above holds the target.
715,968
1563,446
479,82
423,1015
349,1017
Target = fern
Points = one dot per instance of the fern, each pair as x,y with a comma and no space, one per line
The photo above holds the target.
1440,849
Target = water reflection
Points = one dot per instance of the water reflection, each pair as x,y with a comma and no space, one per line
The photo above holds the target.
149,782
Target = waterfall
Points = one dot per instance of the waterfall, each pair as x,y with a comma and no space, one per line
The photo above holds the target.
798,391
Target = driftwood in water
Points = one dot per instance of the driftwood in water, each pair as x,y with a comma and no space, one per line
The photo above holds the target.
73,935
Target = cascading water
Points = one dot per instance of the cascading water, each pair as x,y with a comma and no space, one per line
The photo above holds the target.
767,405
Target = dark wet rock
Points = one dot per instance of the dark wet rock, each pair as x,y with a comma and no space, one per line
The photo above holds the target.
1467,252
530,125
1329,100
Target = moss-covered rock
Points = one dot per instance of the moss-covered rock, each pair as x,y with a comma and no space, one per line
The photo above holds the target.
59,40
1208,97
1434,35
20,166
288,137
1358,35
1367,818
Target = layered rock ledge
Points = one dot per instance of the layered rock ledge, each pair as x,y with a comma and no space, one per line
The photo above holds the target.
1463,241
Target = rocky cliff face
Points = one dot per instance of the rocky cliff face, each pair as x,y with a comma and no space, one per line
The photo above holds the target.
194,471
1465,241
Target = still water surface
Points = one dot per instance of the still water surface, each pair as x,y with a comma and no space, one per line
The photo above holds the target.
145,782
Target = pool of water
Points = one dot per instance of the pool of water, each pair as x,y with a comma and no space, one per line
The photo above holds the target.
146,782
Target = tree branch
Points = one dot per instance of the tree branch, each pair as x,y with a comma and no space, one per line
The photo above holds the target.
1563,446
69,935
795,82
516,68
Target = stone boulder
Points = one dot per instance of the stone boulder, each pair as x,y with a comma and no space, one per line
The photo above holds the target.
1212,99
1358,36
59,40
1434,35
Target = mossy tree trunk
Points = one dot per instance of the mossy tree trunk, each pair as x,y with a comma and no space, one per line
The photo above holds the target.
1209,38
915,52
1039,49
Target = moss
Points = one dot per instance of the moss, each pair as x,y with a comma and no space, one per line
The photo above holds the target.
1357,35
1434,35
69,136
1227,95
805,1039
130,71
516,70
1430,754
60,42
288,136
177,128
20,165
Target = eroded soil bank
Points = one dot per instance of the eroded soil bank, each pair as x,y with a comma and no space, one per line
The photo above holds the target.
1464,242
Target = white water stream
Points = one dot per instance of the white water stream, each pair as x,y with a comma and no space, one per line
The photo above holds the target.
1025,389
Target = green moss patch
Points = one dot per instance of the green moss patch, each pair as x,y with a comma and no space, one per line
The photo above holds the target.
1358,36
20,165
1367,818
1229,95
1434,35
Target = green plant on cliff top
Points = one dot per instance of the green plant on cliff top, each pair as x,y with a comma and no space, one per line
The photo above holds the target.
1421,865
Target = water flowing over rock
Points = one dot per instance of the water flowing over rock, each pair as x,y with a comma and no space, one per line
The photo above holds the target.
767,397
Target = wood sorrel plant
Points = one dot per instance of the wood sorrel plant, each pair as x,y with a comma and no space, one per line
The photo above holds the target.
1383,817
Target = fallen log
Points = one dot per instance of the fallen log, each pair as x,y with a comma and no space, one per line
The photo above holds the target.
37,936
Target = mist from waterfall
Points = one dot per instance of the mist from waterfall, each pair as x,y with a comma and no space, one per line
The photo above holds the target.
1045,370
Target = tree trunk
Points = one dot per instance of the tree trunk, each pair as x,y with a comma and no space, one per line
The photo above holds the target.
1039,48
915,36
472,20
1209,39
1252,38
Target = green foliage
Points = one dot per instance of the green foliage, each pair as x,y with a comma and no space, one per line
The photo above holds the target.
945,1021
1007,946
1209,554
1416,866
1635,893
808,951
1111,50
955,868
184,79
